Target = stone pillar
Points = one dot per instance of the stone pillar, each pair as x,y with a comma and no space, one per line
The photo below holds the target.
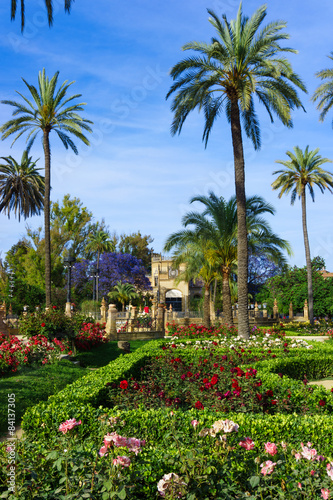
275,310
264,313
153,308
10,310
3,326
256,310
160,318
291,311
111,326
306,311
103,311
133,319
68,310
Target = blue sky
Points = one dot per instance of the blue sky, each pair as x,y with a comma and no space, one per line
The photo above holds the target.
135,175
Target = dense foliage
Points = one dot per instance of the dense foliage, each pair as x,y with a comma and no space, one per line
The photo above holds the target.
291,286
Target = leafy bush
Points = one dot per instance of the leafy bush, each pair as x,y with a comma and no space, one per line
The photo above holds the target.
52,323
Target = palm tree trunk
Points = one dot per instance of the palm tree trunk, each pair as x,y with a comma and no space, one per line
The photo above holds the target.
206,308
307,256
242,251
47,154
227,309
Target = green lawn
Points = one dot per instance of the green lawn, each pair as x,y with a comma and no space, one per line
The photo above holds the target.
31,385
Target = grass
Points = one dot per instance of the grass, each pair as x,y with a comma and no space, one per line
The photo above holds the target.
34,384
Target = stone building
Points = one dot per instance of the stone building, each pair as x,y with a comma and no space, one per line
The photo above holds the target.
166,291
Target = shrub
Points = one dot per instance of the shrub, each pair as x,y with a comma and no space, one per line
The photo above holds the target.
52,323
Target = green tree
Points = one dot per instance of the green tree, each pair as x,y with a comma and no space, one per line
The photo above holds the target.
324,93
291,285
123,292
137,245
50,109
303,170
99,242
217,224
244,60
21,187
48,5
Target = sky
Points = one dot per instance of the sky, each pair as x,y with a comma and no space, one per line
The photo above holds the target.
135,175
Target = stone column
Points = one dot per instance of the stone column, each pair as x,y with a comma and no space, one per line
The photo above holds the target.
103,311
68,310
160,318
306,311
133,319
275,310
256,310
3,326
264,313
111,326
291,311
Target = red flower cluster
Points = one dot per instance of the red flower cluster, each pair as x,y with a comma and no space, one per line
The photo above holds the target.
90,335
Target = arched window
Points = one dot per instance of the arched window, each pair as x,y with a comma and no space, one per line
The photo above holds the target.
174,297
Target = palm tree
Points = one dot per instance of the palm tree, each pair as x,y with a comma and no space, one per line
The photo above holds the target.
99,242
243,61
198,255
49,109
123,292
217,224
49,8
21,187
303,170
324,92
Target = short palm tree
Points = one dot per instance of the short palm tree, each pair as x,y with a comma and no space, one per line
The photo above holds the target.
123,292
99,243
217,224
198,255
21,187
49,109
303,170
244,60
324,93
49,8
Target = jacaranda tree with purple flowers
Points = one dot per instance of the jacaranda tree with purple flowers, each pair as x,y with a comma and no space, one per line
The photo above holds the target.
113,267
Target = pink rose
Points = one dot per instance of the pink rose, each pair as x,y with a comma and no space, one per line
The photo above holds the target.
325,493
68,425
122,460
271,448
267,467
247,443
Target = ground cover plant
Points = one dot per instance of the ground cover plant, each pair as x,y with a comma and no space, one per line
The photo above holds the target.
144,453
320,327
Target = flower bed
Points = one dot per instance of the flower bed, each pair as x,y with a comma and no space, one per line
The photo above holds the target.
176,451
38,349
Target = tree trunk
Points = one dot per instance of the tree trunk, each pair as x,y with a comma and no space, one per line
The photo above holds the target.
242,250
307,256
227,309
206,307
47,154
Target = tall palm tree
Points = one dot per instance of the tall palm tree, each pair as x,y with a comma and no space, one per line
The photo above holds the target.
324,93
50,109
217,224
303,170
99,242
123,292
49,8
21,187
244,60
198,255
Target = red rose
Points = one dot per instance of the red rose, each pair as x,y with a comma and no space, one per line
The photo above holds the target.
214,380
199,406
322,402
43,324
123,384
274,402
54,307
